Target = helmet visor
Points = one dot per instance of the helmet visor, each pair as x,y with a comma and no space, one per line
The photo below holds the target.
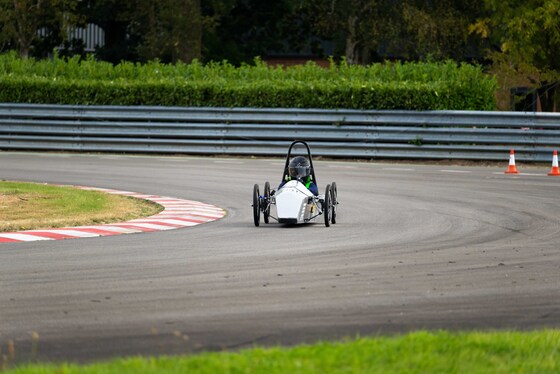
299,171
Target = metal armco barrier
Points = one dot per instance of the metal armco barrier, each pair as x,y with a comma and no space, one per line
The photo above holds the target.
246,131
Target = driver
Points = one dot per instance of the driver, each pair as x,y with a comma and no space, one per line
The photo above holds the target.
300,169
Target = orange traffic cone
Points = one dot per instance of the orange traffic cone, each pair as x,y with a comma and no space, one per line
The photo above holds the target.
511,168
555,171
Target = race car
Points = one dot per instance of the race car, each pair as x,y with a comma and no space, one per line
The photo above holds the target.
294,202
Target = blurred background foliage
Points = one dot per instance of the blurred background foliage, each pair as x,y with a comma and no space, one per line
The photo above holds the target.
517,41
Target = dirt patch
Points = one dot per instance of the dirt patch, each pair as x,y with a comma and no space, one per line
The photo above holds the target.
9,200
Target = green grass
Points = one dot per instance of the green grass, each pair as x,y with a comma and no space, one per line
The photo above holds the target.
418,352
26,206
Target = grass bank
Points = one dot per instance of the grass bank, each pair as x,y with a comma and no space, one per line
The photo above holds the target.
418,352
29,206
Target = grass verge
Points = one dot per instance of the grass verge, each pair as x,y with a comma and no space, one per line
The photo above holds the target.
417,352
29,206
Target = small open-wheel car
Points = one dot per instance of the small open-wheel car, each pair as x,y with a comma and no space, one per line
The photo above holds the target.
293,203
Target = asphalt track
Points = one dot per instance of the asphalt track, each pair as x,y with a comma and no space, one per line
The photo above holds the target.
415,247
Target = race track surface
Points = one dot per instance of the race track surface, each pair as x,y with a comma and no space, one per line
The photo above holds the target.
415,246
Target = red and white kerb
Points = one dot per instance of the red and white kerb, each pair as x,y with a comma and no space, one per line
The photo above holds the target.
177,213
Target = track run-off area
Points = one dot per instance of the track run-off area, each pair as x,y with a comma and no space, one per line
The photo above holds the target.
415,247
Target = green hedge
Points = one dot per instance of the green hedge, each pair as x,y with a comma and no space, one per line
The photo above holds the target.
411,86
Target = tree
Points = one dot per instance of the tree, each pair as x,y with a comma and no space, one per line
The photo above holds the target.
240,30
525,31
113,16
360,25
21,21
139,30
440,29
524,40
171,30
371,30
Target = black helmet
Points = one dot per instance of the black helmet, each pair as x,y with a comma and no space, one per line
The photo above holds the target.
299,168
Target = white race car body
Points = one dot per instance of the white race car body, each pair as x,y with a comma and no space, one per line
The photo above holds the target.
295,204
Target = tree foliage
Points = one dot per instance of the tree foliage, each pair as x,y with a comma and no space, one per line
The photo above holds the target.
243,29
21,20
359,26
113,17
138,30
439,29
371,30
526,31
170,30
238,30
524,40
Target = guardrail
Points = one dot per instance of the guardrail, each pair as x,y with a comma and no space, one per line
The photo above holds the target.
247,131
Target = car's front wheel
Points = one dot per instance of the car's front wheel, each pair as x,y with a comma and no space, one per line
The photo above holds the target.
256,205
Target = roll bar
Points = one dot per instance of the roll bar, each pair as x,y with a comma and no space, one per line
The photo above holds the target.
286,172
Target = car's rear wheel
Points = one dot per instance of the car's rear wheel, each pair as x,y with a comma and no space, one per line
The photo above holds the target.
334,201
327,205
266,207
256,205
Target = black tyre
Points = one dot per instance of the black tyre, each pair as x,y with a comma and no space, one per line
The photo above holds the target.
266,208
327,205
256,205
334,201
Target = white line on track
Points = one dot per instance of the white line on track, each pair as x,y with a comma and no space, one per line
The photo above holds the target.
522,174
342,167
398,169
456,171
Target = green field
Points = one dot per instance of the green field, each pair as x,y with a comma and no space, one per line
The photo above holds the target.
28,206
418,352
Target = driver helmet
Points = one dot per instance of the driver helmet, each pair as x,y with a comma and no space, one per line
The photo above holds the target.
299,168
